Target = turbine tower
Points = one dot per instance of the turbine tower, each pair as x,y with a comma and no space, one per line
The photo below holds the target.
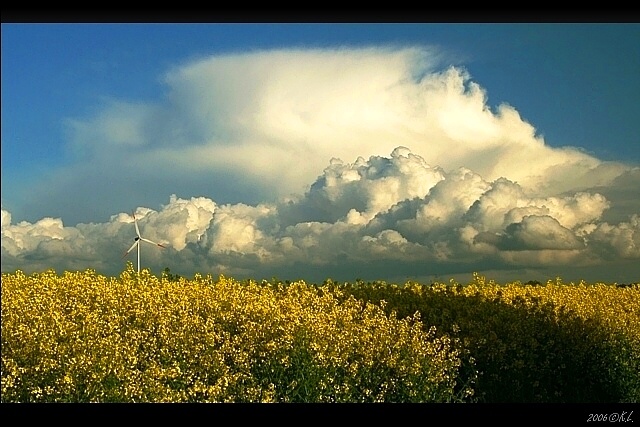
137,239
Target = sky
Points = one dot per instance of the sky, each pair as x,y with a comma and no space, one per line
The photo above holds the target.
307,151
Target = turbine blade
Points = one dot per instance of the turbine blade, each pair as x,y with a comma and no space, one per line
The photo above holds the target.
132,246
135,221
153,243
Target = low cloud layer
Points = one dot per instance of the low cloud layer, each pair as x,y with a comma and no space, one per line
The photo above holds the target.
376,218
346,163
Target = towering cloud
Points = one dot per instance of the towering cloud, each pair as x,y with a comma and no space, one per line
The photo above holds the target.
317,162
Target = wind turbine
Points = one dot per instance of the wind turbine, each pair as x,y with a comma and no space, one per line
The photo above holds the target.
137,239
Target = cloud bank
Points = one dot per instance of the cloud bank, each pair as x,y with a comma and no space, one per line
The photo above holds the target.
372,163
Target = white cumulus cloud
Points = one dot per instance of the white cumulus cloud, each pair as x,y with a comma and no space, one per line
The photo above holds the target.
324,161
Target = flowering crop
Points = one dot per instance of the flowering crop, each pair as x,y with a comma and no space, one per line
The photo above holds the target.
558,342
84,337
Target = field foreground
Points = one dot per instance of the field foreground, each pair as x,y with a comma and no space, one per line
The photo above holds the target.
84,337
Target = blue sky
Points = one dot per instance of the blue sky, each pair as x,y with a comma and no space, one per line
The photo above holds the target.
243,142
